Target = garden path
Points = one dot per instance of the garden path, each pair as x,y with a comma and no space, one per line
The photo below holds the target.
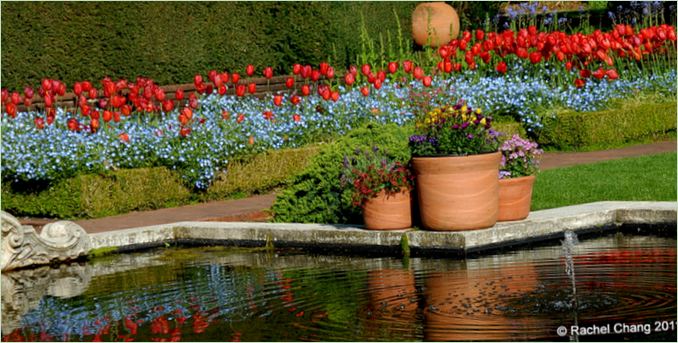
252,209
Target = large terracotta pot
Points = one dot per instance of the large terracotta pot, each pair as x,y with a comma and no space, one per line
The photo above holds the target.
441,15
388,211
515,196
458,192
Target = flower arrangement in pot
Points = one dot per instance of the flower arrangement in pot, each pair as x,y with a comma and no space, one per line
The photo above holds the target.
381,187
519,166
457,168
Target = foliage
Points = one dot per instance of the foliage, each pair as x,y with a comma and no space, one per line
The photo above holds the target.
316,195
572,129
451,129
369,174
645,178
519,158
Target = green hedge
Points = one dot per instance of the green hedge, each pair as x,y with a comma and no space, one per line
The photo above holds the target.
580,129
124,191
316,195
171,41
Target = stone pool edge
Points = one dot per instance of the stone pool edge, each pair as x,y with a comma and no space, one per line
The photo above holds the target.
538,226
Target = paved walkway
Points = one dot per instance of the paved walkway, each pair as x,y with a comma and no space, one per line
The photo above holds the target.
253,209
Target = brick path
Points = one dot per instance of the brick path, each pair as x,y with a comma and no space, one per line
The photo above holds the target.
253,209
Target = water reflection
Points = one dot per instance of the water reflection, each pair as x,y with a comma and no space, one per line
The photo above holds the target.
218,294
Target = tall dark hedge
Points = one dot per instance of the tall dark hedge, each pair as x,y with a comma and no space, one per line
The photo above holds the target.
172,41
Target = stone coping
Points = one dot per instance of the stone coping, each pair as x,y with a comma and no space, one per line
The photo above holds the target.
538,226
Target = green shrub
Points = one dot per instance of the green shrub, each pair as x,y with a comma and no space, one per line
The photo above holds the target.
316,195
579,129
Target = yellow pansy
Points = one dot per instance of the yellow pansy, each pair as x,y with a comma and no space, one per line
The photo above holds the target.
478,111
482,121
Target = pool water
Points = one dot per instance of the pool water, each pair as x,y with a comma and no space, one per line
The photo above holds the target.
621,283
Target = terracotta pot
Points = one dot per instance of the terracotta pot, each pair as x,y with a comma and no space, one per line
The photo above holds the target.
388,211
442,15
458,192
515,196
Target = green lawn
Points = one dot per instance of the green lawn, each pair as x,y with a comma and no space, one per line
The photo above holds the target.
645,178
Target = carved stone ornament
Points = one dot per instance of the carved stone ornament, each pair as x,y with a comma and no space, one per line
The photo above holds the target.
22,246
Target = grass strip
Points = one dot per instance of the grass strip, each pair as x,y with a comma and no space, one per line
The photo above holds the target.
644,178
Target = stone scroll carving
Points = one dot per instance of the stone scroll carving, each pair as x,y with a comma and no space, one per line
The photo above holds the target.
22,246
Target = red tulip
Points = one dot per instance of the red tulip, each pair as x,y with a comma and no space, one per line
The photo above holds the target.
48,100
323,68
268,72
480,35
47,84
535,57
249,70
209,89
109,89
296,118
77,88
39,123
5,96
116,116
212,73
456,66
16,98
108,115
296,69
584,73
217,80
11,109
50,115
443,51
240,118
103,103
86,86
159,95
366,69
392,67
295,99
196,79
28,92
599,74
418,73
179,94
120,85
326,94
330,73
427,80
371,77
365,90
289,82
85,109
124,137
472,66
224,77
240,90
349,78
381,75
94,124
305,90
609,61
462,44
353,70
92,93
235,77
222,90
277,100
315,74
501,67
568,65
252,88
612,74
377,83
126,110
187,112
532,30
185,131
27,101
485,57
335,96
72,124
579,82
469,57
268,115
167,105
306,71
447,66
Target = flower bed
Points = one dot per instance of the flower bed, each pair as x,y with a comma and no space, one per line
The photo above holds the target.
493,71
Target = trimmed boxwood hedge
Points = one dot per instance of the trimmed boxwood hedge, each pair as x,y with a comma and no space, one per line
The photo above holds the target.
581,129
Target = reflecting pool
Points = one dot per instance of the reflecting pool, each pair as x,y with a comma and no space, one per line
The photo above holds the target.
618,283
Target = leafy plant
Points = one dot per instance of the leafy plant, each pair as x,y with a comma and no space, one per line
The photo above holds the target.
519,158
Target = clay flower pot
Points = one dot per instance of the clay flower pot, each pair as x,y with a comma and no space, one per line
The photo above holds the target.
515,196
388,211
441,16
458,192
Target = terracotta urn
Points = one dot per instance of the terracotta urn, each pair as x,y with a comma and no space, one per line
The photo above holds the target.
515,196
388,211
442,16
458,192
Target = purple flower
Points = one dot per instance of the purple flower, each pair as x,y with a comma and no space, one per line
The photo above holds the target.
470,136
455,126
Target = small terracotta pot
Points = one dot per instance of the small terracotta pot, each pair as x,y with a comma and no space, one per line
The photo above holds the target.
515,196
442,15
388,211
458,192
